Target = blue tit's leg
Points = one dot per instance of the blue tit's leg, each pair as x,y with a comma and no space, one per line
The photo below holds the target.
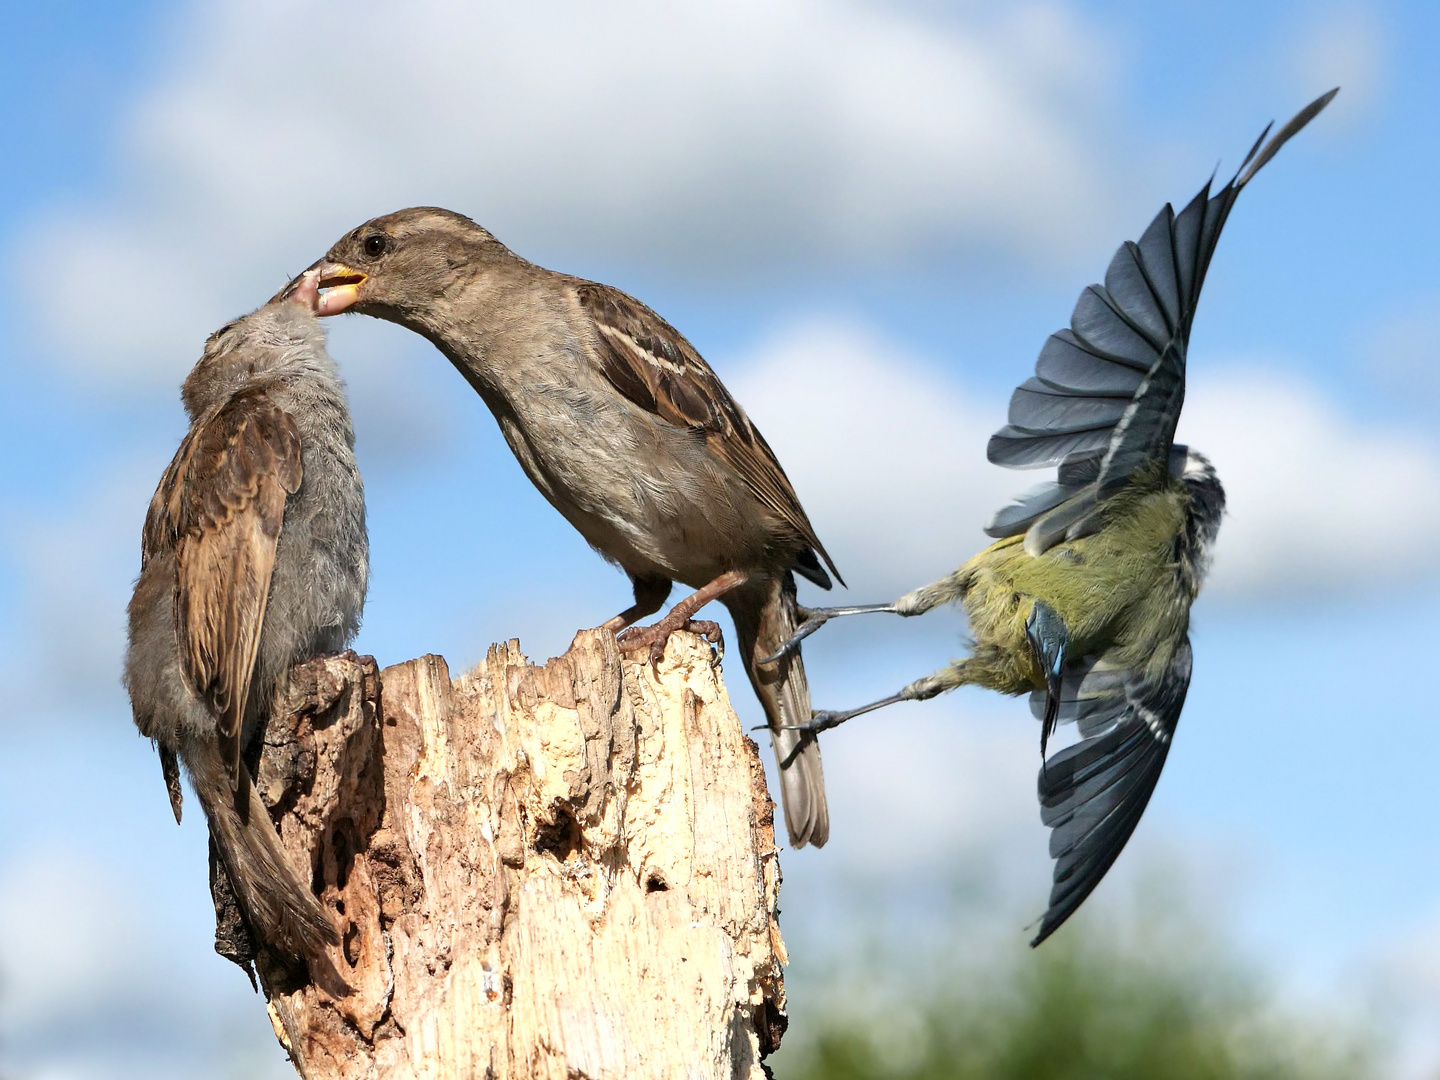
917,602
947,678
825,719
815,618
947,590
1050,641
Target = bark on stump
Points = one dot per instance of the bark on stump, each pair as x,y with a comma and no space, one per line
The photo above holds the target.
565,871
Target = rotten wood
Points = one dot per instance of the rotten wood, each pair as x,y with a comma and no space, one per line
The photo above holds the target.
565,871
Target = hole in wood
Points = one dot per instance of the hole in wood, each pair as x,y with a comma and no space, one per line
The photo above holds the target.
344,847
352,944
561,837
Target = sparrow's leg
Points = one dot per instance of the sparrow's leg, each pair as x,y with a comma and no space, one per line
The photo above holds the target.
947,678
654,637
650,594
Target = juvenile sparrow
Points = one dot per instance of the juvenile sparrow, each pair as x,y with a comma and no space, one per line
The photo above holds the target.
253,558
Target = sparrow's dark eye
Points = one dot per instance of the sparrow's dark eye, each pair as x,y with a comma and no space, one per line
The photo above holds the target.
375,245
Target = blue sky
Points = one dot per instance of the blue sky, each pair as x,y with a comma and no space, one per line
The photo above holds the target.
868,218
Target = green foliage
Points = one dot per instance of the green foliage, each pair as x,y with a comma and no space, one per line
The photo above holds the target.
1079,1010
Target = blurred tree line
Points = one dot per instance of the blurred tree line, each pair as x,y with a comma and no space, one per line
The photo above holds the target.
1105,999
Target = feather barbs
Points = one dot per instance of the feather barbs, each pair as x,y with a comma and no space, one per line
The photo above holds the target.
223,502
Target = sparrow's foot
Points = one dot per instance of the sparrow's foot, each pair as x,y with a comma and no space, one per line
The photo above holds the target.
825,719
815,618
656,636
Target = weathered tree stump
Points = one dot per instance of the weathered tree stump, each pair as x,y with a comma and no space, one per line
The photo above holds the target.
565,871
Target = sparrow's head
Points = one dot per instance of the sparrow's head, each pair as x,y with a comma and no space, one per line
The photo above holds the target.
279,336
400,264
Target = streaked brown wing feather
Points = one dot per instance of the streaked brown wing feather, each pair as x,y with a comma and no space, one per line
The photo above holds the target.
160,534
222,503
651,363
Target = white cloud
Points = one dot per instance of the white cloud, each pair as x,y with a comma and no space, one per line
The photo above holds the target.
888,456
1317,501
706,135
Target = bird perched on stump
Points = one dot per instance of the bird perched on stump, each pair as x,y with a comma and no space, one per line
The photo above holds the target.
627,432
1084,600
253,558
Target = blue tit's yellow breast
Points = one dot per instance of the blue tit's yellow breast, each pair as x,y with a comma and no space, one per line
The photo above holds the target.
1115,586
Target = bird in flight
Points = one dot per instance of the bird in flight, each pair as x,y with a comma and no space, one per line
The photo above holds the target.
1083,601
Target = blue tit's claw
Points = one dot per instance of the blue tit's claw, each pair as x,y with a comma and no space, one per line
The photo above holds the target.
820,720
825,719
814,620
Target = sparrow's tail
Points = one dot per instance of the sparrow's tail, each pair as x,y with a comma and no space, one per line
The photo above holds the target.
764,622
277,903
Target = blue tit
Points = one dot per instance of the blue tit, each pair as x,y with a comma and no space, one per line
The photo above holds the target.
1083,601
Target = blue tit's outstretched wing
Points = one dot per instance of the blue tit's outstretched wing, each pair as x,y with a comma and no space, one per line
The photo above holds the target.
1107,391
1093,793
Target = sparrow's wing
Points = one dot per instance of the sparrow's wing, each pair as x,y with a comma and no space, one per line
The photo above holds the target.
222,502
647,360
1111,386
1093,793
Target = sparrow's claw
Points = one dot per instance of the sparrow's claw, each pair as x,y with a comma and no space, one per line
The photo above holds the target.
710,631
815,618
656,636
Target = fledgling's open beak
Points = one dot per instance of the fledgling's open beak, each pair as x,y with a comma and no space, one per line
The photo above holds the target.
339,286
305,289
326,288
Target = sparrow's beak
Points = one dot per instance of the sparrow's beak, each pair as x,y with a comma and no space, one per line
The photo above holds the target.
339,286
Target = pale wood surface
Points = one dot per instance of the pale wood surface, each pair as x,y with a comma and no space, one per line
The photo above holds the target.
565,871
